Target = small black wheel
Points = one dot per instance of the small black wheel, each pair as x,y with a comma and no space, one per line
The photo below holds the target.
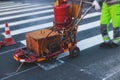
74,51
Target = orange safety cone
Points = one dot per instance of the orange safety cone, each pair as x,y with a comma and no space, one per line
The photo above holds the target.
8,38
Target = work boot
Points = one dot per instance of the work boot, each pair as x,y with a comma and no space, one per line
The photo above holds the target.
105,45
114,45
109,44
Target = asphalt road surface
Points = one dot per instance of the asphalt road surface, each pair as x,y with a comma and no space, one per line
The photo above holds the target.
93,63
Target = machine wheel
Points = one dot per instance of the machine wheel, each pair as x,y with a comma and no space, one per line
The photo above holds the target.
74,51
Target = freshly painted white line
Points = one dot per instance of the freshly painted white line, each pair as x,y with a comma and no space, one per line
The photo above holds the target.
89,25
27,14
26,4
1,3
14,5
23,10
26,9
27,21
22,6
32,28
92,41
9,4
89,15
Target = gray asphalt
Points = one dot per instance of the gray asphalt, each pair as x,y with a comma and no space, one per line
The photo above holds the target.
93,63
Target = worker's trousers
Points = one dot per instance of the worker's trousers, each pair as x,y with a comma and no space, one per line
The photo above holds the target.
110,13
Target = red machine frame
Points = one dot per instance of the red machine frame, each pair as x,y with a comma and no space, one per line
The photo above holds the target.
67,42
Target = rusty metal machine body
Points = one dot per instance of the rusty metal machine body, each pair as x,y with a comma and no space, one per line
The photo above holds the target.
48,43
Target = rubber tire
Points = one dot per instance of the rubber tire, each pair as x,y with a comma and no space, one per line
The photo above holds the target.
74,51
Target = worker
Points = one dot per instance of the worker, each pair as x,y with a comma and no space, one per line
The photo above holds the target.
110,11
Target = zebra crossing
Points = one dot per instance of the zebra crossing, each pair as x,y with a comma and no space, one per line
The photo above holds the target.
44,12
27,17
39,16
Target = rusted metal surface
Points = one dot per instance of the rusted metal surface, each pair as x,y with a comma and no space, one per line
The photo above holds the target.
38,41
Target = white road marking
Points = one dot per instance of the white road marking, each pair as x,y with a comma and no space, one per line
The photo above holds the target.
25,5
26,9
13,5
89,15
80,28
22,6
32,28
26,14
2,3
27,21
89,25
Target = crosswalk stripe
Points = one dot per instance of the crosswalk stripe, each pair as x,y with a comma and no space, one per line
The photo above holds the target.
5,1
27,14
89,25
1,2
89,15
45,17
25,4
80,28
27,21
92,41
19,7
27,9
15,5
32,28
